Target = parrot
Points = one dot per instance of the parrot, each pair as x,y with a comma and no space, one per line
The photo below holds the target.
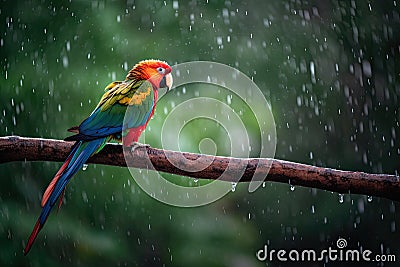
138,94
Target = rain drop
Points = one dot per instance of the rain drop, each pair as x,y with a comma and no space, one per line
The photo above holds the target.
369,198
229,99
84,197
233,186
219,40
341,199
84,167
65,61
312,70
298,101
175,5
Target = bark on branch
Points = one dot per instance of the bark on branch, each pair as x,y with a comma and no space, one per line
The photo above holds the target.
14,148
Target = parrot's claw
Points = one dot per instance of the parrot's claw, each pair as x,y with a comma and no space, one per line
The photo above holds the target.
136,145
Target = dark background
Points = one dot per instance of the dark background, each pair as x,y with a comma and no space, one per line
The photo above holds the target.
56,58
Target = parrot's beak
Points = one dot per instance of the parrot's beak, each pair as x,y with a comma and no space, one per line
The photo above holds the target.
168,81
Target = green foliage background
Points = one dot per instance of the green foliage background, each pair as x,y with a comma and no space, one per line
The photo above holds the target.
57,57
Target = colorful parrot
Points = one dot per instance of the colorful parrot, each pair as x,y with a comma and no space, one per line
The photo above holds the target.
139,91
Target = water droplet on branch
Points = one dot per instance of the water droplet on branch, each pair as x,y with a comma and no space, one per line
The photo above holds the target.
84,167
234,187
341,198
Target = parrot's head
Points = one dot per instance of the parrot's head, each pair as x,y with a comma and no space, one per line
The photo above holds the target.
156,71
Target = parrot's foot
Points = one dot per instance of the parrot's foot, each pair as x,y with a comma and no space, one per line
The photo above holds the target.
136,145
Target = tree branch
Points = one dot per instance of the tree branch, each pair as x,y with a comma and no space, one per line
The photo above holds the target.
14,148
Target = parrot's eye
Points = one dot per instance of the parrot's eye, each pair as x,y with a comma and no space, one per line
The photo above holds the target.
161,70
